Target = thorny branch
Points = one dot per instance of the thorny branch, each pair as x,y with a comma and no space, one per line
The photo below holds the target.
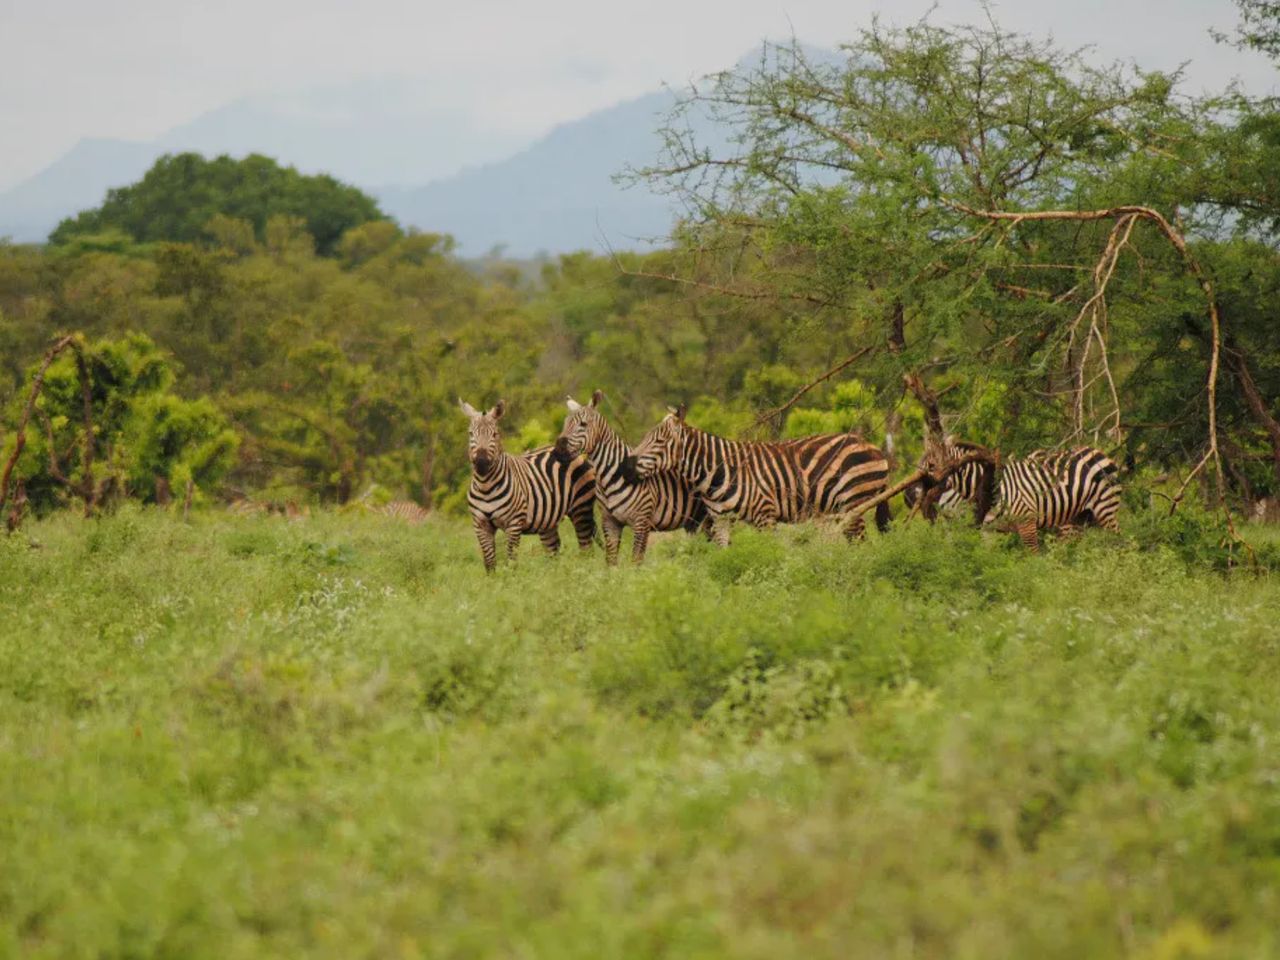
924,473
777,414
37,384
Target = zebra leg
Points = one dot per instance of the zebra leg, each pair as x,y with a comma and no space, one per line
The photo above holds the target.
612,536
720,528
484,535
1027,531
855,528
551,540
513,543
641,541
584,524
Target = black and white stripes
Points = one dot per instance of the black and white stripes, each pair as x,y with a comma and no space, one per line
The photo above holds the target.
1043,490
768,483
664,501
682,477
529,493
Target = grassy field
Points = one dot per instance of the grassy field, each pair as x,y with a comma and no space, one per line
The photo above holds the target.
246,737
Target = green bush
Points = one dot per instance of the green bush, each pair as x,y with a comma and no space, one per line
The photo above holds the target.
246,736
144,436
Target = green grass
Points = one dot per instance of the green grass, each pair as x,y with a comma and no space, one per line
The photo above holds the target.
338,738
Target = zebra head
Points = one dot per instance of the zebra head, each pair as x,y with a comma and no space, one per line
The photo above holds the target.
662,447
484,439
582,428
931,461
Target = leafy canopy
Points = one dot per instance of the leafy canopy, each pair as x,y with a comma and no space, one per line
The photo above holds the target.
187,199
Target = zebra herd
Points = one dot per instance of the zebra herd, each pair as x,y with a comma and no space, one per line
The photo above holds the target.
680,477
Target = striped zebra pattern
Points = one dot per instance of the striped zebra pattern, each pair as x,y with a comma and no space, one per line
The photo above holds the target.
664,501
1031,497
406,511
1042,490
768,483
1092,474
529,493
965,485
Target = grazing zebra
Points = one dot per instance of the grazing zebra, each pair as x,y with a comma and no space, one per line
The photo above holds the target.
665,501
768,483
1040,491
1088,475
1030,496
963,486
529,493
1092,474
405,510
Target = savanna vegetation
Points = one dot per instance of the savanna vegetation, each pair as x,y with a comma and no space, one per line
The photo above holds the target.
244,737
1046,248
238,735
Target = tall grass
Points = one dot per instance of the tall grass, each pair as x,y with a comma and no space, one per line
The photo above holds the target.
337,737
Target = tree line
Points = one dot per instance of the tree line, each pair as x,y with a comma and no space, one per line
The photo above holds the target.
940,228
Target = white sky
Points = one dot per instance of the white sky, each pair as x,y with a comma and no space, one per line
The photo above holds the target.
135,68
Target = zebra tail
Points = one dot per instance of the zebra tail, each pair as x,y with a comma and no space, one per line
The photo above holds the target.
884,516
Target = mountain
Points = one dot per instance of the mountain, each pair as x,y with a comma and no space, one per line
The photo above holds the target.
556,196
77,180
366,132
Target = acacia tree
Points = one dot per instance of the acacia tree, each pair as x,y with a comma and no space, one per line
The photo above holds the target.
1259,27
985,211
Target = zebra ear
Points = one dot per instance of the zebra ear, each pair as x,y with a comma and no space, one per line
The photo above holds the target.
498,409
680,412
572,404
468,409
596,397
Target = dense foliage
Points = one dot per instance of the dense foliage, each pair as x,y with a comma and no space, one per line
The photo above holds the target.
856,212
1008,220
249,737
185,198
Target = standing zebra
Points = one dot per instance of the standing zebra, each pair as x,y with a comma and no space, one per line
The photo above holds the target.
1039,491
768,483
664,501
529,493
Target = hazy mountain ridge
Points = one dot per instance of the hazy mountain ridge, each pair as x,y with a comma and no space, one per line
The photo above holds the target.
553,195
556,195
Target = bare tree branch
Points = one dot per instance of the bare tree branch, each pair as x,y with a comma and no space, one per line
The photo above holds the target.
777,414
1192,265
37,384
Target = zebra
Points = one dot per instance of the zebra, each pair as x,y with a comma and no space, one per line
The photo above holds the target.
768,483
1031,497
1039,491
1088,474
528,493
964,485
1092,474
664,501
406,511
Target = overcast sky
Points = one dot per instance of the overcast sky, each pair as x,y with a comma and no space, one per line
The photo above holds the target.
135,68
